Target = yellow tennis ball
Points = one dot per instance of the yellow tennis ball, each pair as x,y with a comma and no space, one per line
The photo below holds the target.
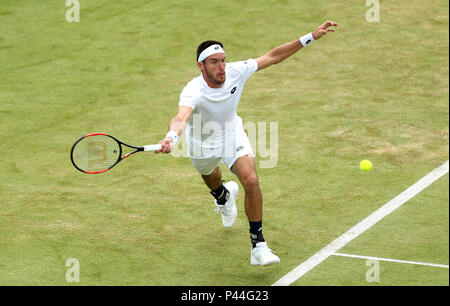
365,165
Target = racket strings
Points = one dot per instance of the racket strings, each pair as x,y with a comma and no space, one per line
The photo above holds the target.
96,153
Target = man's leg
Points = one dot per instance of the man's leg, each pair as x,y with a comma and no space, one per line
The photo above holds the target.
213,180
225,195
244,168
214,183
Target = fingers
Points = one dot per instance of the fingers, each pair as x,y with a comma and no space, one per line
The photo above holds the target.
159,151
166,146
329,23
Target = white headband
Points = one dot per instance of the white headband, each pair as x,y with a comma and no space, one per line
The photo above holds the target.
214,49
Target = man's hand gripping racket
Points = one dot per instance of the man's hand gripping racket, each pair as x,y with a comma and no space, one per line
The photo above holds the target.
166,146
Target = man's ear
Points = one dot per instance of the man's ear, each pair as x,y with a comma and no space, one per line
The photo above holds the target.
201,66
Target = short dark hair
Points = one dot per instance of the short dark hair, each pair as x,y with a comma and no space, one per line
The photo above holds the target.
205,45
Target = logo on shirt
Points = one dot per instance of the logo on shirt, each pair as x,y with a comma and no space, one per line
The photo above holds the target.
233,90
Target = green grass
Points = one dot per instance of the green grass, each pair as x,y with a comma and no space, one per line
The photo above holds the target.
376,91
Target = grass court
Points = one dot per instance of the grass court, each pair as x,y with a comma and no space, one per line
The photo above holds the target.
372,90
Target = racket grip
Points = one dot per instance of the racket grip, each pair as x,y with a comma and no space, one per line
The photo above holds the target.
154,147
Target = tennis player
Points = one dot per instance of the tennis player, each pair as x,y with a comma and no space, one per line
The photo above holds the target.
215,135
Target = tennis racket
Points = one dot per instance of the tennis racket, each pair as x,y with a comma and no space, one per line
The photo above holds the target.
99,152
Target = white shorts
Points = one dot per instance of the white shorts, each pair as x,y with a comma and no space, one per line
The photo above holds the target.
241,147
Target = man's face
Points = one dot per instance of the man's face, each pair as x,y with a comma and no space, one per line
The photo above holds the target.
213,69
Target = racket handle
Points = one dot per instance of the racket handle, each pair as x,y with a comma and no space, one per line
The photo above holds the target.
154,147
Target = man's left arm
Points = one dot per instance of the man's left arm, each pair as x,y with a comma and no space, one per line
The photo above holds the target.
282,52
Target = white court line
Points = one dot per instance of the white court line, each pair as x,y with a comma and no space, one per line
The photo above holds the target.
392,260
362,226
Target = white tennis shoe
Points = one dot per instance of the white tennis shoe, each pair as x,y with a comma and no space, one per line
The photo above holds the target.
229,210
261,255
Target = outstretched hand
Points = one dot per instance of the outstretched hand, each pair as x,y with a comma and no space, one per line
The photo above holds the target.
324,29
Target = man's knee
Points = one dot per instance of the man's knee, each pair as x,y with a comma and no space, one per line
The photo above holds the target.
250,182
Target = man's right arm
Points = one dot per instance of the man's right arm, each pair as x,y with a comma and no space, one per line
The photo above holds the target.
177,126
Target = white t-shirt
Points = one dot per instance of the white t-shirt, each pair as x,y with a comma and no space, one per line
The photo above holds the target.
212,125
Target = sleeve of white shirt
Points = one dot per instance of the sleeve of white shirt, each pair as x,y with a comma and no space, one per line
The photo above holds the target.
247,68
187,97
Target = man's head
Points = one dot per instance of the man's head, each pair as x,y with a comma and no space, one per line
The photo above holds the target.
211,61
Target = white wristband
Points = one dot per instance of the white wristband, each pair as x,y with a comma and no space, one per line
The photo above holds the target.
307,39
173,135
